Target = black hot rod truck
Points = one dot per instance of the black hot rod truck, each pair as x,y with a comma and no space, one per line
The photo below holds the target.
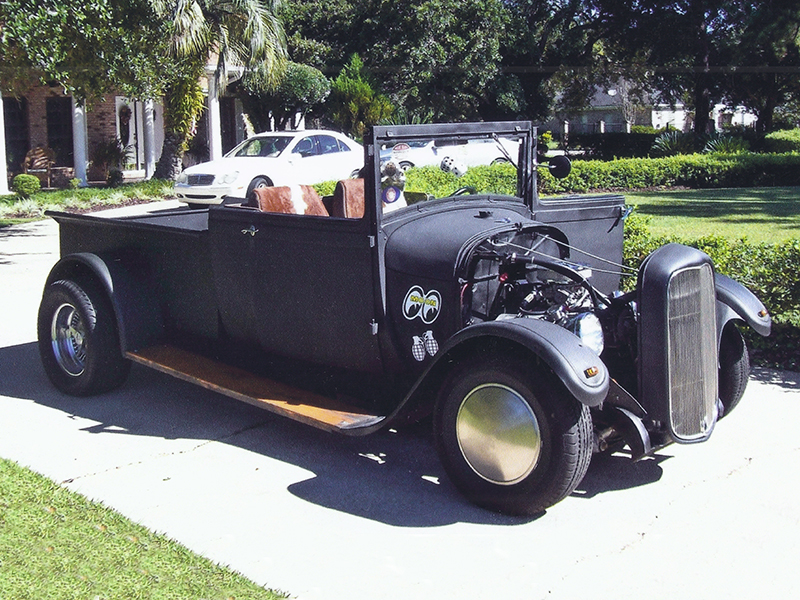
489,308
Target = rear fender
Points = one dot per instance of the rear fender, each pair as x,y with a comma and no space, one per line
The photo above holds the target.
736,303
136,311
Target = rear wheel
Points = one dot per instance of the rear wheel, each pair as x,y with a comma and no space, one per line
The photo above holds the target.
734,368
511,438
78,340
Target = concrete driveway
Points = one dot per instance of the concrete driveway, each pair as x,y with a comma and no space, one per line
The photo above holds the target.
326,517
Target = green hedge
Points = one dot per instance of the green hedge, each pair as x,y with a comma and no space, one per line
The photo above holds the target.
787,140
693,170
745,169
770,271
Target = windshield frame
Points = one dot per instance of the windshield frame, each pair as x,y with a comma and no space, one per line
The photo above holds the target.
381,138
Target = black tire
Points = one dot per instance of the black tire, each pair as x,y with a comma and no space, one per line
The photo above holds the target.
734,368
78,340
258,182
511,438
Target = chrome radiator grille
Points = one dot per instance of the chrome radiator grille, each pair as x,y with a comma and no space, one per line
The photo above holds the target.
692,352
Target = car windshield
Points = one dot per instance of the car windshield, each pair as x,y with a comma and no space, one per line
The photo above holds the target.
419,170
269,146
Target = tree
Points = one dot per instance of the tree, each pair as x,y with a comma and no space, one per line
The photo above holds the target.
766,61
691,48
554,49
354,103
302,88
428,56
242,33
87,48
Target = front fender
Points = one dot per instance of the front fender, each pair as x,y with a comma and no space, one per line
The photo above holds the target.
736,302
579,368
138,318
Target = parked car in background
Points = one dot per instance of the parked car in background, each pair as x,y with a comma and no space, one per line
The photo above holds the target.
271,158
463,153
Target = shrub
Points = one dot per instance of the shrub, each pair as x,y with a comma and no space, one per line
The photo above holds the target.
74,183
745,169
115,178
783,141
770,271
671,143
25,185
726,144
108,155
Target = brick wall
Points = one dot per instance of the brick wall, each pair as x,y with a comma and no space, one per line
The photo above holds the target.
37,112
101,122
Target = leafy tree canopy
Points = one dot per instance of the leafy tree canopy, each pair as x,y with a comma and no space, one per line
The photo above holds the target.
88,48
431,56
302,88
354,102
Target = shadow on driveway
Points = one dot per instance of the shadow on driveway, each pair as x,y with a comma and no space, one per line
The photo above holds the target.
392,477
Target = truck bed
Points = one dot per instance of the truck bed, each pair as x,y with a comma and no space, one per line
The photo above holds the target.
169,249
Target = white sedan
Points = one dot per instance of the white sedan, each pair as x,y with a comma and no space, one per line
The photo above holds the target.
271,158
468,153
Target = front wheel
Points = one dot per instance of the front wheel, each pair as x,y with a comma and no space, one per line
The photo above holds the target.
734,368
78,340
256,184
510,437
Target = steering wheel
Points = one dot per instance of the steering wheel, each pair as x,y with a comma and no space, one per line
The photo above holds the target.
467,189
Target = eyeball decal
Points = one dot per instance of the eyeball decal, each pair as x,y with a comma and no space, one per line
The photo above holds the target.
419,304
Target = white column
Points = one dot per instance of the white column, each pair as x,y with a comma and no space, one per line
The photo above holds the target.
80,141
214,121
149,135
3,171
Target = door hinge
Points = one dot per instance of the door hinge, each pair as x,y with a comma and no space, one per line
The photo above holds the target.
374,325
372,241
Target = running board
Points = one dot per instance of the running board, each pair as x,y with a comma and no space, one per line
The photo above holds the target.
306,407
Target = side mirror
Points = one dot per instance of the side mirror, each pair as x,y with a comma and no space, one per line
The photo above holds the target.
560,166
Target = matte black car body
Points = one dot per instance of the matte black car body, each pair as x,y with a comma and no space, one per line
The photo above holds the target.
393,309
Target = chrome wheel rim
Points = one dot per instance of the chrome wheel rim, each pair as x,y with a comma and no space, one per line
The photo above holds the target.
498,434
68,340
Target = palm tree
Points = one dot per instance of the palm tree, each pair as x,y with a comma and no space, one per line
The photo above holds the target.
242,33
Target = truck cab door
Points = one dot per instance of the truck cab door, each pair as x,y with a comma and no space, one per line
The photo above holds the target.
297,285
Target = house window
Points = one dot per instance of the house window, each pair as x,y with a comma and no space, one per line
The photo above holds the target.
59,129
15,113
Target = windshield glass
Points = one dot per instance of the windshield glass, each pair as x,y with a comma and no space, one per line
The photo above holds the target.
419,169
269,146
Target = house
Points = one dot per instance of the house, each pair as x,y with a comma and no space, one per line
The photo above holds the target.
612,110
46,116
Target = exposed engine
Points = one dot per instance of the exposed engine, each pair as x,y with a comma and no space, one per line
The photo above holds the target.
527,274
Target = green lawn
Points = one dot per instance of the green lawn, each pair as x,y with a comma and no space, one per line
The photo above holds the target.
759,214
55,544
